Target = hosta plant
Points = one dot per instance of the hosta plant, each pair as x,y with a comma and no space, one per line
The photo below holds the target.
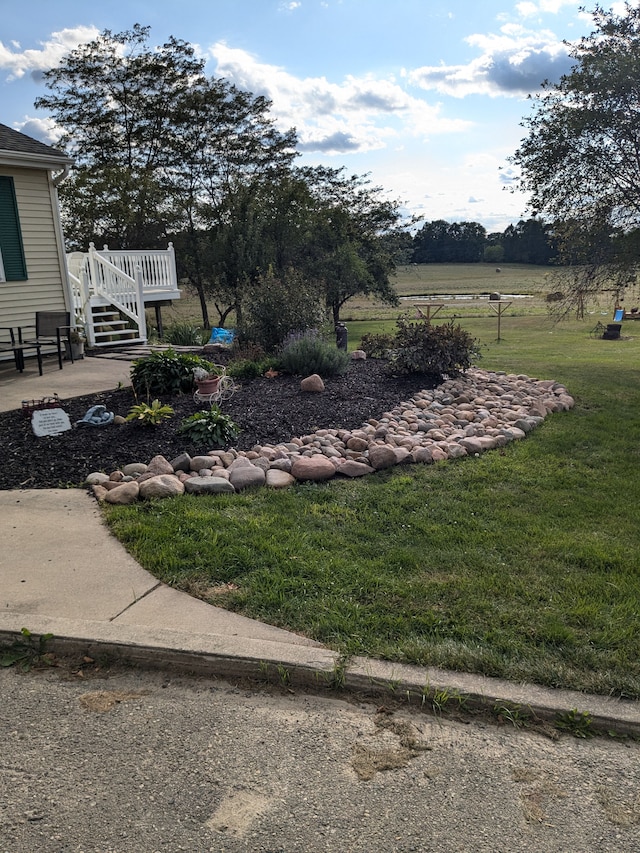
210,427
145,414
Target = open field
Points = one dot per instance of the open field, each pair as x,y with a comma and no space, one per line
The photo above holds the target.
524,286
523,563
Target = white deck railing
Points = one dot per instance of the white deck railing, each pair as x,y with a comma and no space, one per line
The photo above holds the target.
158,266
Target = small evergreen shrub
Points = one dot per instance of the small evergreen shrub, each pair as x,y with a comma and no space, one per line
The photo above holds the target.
377,345
437,351
149,415
210,427
166,373
307,353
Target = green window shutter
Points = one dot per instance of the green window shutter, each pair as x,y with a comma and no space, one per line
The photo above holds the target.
15,268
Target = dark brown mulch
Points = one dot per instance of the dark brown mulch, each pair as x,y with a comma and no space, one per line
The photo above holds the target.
268,411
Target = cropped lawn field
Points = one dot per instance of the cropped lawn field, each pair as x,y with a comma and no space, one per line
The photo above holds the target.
523,563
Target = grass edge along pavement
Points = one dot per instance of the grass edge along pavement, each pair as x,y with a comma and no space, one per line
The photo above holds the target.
521,564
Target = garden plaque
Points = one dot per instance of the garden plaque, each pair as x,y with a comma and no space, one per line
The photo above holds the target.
50,422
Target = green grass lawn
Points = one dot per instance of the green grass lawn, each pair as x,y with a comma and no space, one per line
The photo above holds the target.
523,563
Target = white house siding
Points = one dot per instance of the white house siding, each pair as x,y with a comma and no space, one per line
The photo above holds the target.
44,288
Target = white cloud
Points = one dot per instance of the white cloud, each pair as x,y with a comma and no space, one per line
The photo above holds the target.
357,114
544,7
44,129
465,189
514,63
20,62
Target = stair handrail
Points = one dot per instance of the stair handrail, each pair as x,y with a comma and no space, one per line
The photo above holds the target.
123,292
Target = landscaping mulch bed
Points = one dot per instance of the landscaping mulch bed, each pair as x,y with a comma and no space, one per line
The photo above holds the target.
268,411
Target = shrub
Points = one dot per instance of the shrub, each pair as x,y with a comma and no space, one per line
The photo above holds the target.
184,333
308,353
276,304
437,351
246,368
377,345
211,427
149,415
166,373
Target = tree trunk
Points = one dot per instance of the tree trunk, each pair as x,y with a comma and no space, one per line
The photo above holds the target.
203,303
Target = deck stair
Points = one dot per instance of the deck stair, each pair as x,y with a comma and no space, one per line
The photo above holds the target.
112,289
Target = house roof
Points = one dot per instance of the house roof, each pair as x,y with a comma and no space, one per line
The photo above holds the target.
18,149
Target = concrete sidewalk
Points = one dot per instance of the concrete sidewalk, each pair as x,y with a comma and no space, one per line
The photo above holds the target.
63,573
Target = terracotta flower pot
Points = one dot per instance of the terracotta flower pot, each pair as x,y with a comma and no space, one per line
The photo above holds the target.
208,386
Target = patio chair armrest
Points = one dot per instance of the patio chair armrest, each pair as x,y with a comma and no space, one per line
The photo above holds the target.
12,335
21,330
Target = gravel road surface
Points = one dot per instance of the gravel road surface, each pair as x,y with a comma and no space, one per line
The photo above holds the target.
139,762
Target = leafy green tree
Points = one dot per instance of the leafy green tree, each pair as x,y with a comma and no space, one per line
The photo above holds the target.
580,160
117,102
278,305
349,248
530,241
164,152
160,148
312,225
449,242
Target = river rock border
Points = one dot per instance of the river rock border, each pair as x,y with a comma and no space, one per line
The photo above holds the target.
467,416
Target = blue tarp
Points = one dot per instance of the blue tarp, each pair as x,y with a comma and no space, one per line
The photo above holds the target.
222,336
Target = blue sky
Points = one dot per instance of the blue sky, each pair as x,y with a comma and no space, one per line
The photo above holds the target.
425,96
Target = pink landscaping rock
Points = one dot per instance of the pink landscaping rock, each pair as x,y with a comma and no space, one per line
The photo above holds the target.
161,486
312,384
381,456
123,494
316,468
277,479
357,444
159,465
351,468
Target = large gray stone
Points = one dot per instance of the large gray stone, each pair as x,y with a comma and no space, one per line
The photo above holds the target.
207,486
199,462
247,476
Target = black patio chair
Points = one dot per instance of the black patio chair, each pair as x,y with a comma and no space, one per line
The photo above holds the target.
51,328
10,342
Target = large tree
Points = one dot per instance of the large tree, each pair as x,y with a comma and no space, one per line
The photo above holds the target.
581,158
164,152
349,248
158,145
117,103
313,225
449,243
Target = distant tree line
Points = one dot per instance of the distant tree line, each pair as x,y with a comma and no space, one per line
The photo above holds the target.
529,242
